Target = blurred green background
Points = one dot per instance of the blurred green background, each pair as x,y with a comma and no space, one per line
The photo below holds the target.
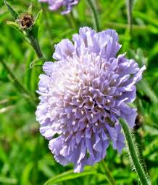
24,155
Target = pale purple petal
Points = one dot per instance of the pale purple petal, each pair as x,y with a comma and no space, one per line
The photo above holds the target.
54,5
82,96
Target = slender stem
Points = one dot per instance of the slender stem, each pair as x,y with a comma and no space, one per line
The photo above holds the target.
73,20
35,159
133,154
47,24
35,45
129,15
94,14
69,22
138,139
108,174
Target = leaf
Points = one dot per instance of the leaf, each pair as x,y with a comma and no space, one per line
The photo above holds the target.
5,180
30,9
15,26
45,167
145,87
138,55
150,129
36,62
38,18
68,175
11,10
25,174
148,19
37,23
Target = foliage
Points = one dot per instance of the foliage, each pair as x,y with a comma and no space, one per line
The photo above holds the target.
24,155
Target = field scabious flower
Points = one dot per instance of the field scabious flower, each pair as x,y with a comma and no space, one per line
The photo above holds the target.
82,96
54,5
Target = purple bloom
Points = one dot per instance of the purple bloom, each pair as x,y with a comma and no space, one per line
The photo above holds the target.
82,96
54,5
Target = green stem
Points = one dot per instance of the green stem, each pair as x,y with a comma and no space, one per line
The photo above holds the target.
133,154
69,22
129,15
35,159
108,174
47,24
94,14
35,45
73,20
138,139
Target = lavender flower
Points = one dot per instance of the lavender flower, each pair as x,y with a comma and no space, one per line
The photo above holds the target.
57,4
82,96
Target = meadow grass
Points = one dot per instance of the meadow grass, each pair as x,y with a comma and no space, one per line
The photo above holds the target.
24,155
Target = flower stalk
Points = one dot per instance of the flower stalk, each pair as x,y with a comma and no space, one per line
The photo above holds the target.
96,21
129,4
30,28
83,131
34,43
110,178
143,177
27,26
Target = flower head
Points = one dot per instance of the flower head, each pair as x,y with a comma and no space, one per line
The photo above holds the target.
54,5
82,96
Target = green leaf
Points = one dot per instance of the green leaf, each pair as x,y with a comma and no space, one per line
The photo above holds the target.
30,9
12,11
145,87
5,180
149,20
14,25
25,174
69,175
38,18
17,27
36,62
37,23
138,55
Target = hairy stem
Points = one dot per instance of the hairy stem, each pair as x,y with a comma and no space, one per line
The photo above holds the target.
133,154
